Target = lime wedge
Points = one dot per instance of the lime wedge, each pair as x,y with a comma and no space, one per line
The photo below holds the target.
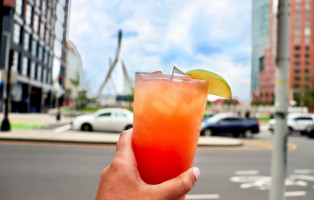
216,84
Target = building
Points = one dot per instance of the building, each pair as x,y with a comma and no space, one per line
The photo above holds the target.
301,51
36,31
74,83
260,38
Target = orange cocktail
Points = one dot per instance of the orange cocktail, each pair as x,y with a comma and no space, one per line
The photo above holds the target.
168,112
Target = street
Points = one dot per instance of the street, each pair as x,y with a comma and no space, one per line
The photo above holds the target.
58,171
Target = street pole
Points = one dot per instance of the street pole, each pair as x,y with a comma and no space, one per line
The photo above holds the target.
279,154
5,126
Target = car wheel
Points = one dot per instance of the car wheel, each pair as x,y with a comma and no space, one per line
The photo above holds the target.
208,132
310,134
248,134
86,127
128,127
303,132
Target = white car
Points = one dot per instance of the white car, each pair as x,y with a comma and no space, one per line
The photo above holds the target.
108,119
296,122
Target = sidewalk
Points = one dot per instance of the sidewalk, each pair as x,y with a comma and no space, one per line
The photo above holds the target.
41,135
69,136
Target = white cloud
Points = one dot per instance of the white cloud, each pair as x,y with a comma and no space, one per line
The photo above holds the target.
165,33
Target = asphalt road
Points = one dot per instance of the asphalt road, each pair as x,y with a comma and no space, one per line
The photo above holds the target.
32,171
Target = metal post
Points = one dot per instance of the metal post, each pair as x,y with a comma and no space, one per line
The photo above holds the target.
5,126
279,155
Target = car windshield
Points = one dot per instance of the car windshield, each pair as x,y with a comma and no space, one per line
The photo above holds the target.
216,118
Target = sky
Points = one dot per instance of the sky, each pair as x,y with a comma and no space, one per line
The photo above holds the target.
157,35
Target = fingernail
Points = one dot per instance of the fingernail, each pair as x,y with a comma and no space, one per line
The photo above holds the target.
196,172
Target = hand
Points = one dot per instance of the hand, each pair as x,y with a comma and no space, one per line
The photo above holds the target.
121,179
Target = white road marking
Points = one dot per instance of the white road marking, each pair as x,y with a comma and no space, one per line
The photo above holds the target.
62,128
303,171
303,177
202,196
295,194
247,172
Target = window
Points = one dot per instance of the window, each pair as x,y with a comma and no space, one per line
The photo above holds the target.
307,6
44,75
47,37
297,14
32,73
297,48
43,6
28,15
48,15
297,6
308,22
307,63
297,22
304,118
42,30
15,60
16,33
57,48
37,3
26,40
307,70
120,115
35,23
297,71
297,63
307,31
297,40
18,7
47,76
24,66
108,114
40,52
34,47
307,55
60,13
59,30
307,48
297,55
39,72
296,78
308,14
297,31
307,40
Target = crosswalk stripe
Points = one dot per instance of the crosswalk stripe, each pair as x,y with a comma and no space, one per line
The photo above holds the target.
247,172
295,193
202,196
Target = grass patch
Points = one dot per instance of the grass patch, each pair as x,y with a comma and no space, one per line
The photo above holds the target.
264,118
22,126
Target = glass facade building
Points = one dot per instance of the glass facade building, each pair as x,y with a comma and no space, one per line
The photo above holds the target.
260,38
38,41
301,51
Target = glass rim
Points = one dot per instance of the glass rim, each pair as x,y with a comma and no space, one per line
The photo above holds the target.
148,75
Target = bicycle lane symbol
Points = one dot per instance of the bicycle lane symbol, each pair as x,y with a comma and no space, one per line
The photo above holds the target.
251,179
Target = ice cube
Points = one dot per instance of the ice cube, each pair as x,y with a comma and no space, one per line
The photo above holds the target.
157,73
177,72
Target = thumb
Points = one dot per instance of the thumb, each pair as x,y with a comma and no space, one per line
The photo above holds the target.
179,186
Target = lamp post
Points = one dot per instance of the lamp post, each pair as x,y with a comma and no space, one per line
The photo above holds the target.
279,155
5,126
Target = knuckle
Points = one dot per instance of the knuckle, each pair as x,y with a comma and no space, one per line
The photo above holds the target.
117,164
